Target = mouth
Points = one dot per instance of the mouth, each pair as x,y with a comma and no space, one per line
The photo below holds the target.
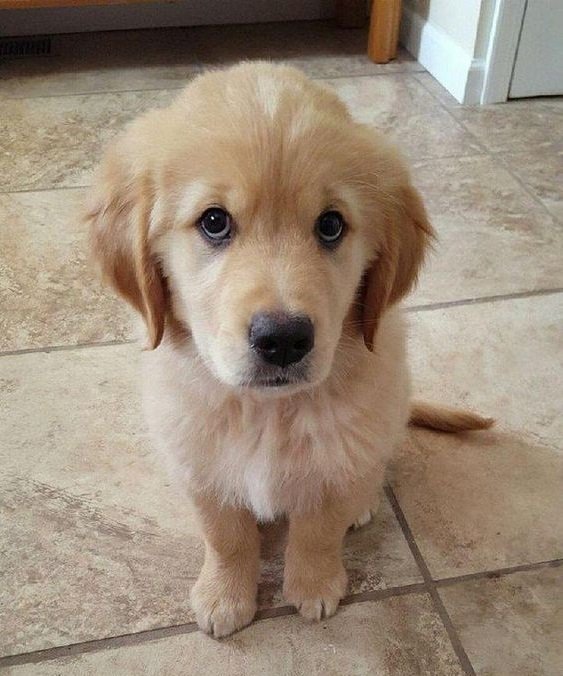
269,379
279,381
265,377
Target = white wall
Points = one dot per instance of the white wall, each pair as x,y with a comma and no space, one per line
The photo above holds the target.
450,38
457,18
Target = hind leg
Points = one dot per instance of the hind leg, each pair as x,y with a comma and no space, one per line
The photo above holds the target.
365,516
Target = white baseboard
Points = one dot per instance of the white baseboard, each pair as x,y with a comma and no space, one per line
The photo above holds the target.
14,22
475,83
443,58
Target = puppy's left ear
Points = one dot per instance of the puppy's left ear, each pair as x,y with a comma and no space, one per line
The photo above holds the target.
395,270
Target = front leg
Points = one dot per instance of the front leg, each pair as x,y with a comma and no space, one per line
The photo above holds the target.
314,578
224,596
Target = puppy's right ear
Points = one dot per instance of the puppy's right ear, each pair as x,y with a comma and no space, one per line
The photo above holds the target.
394,272
119,218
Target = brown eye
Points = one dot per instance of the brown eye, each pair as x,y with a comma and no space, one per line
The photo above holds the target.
216,224
330,227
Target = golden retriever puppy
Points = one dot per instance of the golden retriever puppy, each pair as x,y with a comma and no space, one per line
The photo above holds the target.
266,238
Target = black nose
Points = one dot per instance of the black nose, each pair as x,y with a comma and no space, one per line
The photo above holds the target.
280,338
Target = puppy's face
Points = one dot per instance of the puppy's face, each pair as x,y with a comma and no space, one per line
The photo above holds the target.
265,256
265,220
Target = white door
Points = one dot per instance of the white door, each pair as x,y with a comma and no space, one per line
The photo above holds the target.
538,69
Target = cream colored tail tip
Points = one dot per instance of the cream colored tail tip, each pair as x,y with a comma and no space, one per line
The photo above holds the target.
447,419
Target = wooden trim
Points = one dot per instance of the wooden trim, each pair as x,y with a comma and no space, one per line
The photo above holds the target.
35,4
384,30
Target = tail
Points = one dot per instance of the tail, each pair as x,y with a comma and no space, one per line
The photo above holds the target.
446,419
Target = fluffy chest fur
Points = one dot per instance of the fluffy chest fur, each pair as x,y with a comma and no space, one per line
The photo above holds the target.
272,453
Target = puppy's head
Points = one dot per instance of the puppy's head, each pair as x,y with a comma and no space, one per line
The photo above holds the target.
262,218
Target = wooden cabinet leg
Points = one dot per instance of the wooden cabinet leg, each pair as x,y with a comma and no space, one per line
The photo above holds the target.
384,30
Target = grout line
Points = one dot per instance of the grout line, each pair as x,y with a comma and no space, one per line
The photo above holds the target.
53,188
103,92
498,572
483,299
349,600
62,348
455,104
197,70
501,156
494,154
437,158
345,76
430,585
412,308
450,111
459,650
382,594
97,645
272,613
112,643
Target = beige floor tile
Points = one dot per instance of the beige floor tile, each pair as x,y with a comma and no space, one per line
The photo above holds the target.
516,126
100,62
491,499
542,174
95,540
493,237
512,624
56,141
400,106
396,636
49,294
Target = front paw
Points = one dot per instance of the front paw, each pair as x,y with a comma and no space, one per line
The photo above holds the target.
221,604
315,594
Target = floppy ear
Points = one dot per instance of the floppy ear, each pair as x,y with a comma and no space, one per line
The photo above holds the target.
395,270
119,233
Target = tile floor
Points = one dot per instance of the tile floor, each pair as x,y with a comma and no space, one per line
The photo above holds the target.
461,570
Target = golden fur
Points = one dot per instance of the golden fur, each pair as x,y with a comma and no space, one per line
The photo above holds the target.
275,150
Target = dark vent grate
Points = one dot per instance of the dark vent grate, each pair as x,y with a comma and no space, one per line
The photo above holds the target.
17,48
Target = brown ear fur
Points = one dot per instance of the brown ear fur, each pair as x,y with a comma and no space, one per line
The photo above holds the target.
119,222
395,270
